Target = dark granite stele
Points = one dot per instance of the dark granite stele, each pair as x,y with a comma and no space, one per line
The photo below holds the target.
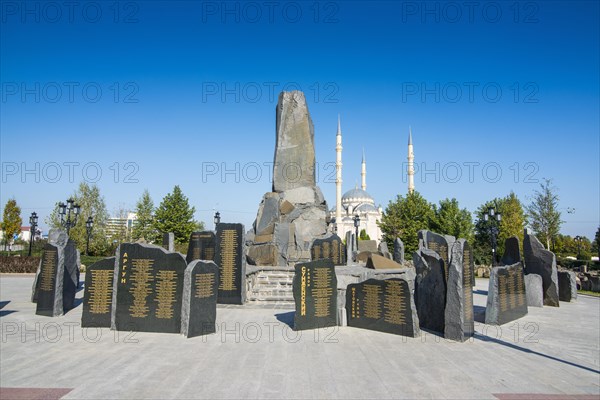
507,296
147,289
330,247
199,306
315,295
49,287
201,247
382,305
231,260
97,298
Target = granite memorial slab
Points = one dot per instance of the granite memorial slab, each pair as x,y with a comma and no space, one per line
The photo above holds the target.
199,305
231,260
382,305
534,289
331,248
97,298
315,295
147,289
168,241
567,286
458,315
201,247
512,252
430,289
507,297
50,282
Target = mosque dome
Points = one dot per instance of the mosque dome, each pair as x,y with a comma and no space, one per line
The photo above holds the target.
357,196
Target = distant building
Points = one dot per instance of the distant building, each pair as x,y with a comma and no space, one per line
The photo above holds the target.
121,226
354,202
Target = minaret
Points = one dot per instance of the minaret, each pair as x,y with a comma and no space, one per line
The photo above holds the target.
338,174
363,172
411,167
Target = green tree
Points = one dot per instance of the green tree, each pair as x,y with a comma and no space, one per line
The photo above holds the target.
596,244
404,217
11,221
364,235
543,213
174,214
513,219
451,220
482,251
143,227
92,205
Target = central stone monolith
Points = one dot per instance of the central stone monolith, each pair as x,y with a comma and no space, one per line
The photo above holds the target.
291,216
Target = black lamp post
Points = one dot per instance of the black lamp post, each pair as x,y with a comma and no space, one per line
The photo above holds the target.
495,218
578,239
356,220
217,219
89,225
33,222
65,211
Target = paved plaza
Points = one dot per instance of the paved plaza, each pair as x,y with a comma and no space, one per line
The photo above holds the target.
551,353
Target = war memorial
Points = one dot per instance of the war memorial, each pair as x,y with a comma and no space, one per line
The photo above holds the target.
287,309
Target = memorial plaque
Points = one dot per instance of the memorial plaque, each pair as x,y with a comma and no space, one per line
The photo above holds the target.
330,248
315,295
459,323
50,282
441,244
199,307
543,263
430,289
382,305
230,258
507,298
201,246
97,299
147,289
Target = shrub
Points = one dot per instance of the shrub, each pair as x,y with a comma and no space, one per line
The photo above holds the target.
19,265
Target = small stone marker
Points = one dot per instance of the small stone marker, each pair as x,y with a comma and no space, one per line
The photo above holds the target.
349,248
147,289
430,289
384,251
458,315
330,247
542,262
512,252
315,295
367,245
382,305
199,306
169,241
201,246
230,259
97,299
567,286
398,251
507,300
535,290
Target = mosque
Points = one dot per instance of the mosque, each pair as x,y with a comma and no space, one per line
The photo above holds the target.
358,202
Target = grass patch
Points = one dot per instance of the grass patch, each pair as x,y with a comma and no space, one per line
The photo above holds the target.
587,292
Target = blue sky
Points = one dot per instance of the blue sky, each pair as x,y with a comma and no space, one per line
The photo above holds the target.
164,92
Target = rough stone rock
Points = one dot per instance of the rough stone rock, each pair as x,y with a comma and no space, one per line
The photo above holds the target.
268,214
294,164
441,244
430,289
262,254
367,245
363,256
383,250
507,298
260,239
567,286
542,262
535,290
512,253
286,207
458,315
399,251
303,195
375,261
